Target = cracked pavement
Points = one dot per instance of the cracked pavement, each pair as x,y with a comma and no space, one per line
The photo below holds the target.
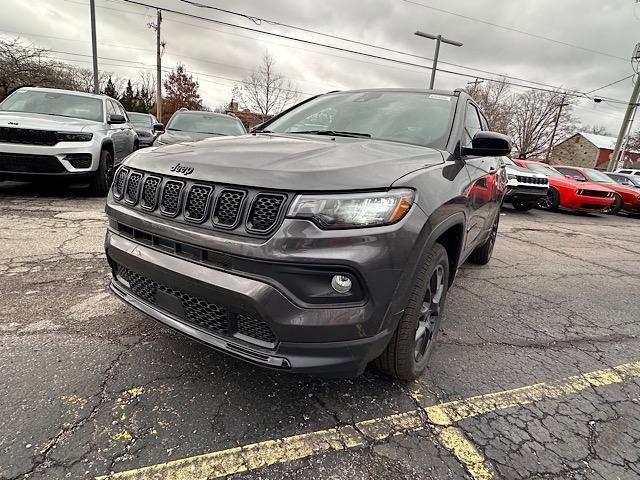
91,386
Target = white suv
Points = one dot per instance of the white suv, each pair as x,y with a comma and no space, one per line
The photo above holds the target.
524,187
71,136
628,171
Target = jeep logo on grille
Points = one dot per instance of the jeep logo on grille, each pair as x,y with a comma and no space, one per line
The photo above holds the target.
182,169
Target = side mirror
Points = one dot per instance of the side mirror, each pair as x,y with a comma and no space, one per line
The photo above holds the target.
488,144
115,119
158,127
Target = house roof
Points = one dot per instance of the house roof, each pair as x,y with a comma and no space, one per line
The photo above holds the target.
600,141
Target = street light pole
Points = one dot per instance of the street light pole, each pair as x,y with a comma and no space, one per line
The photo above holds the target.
94,46
439,39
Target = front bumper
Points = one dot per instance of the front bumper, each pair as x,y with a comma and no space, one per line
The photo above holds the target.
589,204
65,160
525,194
299,331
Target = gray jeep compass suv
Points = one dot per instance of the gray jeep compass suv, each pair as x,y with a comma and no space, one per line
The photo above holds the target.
324,240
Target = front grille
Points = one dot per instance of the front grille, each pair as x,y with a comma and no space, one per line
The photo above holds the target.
593,206
24,163
594,193
170,201
532,180
28,136
227,211
265,212
119,182
150,193
133,188
208,316
212,207
197,204
254,328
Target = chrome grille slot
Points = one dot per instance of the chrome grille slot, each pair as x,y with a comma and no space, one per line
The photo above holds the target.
171,196
197,204
264,212
133,188
228,208
119,183
150,193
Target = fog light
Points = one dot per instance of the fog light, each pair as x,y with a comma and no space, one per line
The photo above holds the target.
341,283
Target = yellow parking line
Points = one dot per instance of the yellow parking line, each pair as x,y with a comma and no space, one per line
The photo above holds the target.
442,417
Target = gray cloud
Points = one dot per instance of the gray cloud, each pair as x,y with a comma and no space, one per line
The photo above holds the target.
215,51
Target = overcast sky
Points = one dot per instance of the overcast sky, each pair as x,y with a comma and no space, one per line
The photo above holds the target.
217,55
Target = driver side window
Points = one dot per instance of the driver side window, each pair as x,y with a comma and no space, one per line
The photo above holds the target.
472,124
110,109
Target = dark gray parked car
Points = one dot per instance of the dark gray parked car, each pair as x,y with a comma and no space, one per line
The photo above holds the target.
146,126
191,126
324,241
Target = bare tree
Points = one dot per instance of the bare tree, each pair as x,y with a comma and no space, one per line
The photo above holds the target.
265,91
534,116
634,142
496,101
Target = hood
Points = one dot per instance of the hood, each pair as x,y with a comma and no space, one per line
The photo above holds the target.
303,163
517,170
599,187
171,137
622,189
38,121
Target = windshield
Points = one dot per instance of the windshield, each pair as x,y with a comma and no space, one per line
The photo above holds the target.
54,103
539,168
599,177
140,119
203,123
407,117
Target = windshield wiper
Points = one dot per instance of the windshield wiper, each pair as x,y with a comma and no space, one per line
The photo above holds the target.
334,133
174,129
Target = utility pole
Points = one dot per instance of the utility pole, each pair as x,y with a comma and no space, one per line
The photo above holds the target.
555,128
631,108
439,39
626,139
94,46
633,104
159,47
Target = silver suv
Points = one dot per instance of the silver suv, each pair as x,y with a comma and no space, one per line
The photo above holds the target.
71,136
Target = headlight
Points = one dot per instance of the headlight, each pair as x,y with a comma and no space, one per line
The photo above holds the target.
74,137
353,210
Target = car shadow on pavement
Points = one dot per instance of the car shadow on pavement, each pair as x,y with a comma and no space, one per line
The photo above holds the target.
42,190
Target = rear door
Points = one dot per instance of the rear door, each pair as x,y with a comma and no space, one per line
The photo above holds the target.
483,173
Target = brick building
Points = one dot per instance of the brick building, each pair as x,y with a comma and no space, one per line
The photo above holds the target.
248,118
590,151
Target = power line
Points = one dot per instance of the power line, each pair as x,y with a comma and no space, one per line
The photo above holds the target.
511,29
610,84
573,93
258,20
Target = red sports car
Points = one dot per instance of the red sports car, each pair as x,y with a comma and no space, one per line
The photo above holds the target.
626,198
569,193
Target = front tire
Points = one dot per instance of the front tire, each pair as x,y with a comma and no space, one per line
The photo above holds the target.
551,201
102,179
615,208
410,347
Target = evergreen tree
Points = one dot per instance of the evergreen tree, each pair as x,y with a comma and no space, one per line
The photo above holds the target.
110,89
128,99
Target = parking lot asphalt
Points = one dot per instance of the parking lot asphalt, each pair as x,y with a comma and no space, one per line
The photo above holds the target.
536,373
